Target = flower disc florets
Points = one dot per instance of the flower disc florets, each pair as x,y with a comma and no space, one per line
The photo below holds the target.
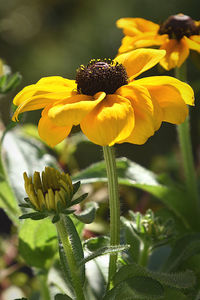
100,76
178,26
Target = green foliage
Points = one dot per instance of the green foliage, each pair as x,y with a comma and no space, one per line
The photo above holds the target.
184,248
62,297
137,287
9,82
132,174
103,251
21,154
181,280
38,243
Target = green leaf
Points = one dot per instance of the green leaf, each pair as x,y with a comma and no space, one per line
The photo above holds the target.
38,242
184,248
177,280
21,155
34,216
131,238
95,243
62,297
87,216
8,201
174,294
137,287
104,251
132,174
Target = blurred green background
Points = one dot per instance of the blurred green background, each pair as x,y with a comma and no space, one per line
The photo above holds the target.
53,37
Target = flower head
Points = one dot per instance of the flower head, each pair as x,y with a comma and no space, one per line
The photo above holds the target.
177,35
50,193
106,100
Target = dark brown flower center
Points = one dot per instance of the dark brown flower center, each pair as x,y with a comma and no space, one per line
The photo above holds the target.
100,76
178,26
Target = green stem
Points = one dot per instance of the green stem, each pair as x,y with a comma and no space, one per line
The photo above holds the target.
144,254
186,151
44,287
114,205
74,270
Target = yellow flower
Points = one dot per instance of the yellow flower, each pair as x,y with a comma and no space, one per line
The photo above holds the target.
177,35
106,100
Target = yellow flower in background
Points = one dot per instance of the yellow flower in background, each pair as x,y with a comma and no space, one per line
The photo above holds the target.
177,35
107,102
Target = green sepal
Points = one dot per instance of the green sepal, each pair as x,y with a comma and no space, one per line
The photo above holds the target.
34,216
60,207
25,205
68,211
79,199
56,218
76,186
87,216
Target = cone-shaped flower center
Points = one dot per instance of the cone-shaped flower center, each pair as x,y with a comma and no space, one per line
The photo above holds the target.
178,26
100,76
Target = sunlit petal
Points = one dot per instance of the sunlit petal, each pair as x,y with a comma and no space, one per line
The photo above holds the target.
140,60
133,26
145,123
193,43
111,121
41,100
176,53
171,94
51,133
72,111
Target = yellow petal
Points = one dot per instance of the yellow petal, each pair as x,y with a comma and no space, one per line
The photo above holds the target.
72,111
193,42
171,94
44,85
57,80
40,101
140,60
176,53
51,133
134,26
140,41
111,121
143,110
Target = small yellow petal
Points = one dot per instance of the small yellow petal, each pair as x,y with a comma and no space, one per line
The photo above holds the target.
143,111
50,132
193,42
74,109
134,26
140,60
176,53
51,199
111,121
